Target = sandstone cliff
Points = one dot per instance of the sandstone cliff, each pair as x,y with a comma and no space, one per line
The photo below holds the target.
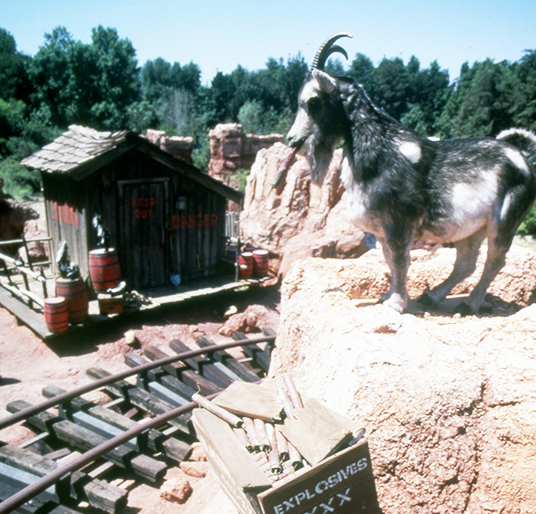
298,219
449,403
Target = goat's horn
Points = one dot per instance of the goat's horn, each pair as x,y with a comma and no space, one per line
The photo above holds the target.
327,49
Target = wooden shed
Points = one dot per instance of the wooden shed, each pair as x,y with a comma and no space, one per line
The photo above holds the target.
165,217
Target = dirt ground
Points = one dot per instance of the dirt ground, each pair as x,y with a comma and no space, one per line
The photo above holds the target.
28,364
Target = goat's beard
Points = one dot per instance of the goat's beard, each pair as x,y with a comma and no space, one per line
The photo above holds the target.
319,155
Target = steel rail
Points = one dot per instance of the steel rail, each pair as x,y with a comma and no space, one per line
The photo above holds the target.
45,482
36,409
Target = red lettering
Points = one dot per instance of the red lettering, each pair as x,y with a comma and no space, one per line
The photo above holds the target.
64,213
143,203
143,213
192,220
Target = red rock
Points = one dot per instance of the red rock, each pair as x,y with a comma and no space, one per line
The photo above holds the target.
299,219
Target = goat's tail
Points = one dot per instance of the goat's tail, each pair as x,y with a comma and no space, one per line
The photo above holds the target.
523,140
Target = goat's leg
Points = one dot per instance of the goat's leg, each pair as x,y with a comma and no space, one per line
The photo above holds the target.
466,257
396,246
498,246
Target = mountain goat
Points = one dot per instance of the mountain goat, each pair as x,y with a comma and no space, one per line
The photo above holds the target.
403,187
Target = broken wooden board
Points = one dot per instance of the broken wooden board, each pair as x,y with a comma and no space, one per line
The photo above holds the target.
223,448
315,431
256,401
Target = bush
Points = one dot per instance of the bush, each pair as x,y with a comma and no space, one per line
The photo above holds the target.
19,182
528,227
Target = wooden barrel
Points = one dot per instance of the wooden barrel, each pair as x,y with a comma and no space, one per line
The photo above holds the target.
245,265
75,292
104,269
56,314
262,263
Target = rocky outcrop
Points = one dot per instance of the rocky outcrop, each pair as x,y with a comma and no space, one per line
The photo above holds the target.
179,147
231,150
13,215
448,402
298,219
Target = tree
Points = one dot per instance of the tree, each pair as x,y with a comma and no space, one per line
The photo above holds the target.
428,93
484,109
391,87
116,81
14,82
523,108
86,84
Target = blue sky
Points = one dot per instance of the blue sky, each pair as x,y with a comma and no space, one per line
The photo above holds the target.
218,35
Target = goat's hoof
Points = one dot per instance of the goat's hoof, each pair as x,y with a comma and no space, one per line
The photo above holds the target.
426,300
463,310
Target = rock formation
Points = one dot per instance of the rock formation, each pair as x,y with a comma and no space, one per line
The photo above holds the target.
179,147
449,403
13,215
231,150
298,219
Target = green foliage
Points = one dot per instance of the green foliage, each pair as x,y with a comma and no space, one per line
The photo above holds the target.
528,226
242,179
91,84
100,85
19,182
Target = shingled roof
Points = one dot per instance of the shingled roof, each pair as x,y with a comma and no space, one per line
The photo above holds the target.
73,148
81,151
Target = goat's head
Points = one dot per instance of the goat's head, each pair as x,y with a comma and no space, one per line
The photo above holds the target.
319,122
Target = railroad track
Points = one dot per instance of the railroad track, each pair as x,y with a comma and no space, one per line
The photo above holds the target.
80,447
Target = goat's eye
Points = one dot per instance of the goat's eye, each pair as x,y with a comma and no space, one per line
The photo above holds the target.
313,104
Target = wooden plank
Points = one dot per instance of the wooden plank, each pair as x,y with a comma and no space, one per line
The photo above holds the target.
21,479
142,399
260,356
228,360
34,320
7,491
43,421
83,439
30,462
315,432
168,381
97,493
35,505
175,368
203,366
75,411
221,443
182,372
260,401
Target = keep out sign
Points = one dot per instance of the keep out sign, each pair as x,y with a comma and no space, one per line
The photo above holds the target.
143,207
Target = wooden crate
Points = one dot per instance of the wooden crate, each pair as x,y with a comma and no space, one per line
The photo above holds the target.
342,483
110,305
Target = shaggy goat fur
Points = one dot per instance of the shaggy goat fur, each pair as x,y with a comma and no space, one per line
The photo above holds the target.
403,187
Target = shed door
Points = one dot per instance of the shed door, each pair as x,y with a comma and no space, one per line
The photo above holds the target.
143,245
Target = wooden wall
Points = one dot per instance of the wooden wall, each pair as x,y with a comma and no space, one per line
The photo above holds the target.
161,222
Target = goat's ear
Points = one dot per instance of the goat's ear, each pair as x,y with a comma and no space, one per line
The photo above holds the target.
326,82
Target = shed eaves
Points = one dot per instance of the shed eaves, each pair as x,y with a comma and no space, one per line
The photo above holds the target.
75,147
